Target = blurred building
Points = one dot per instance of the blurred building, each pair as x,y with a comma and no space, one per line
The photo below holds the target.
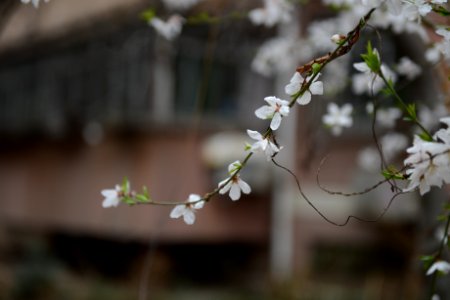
89,94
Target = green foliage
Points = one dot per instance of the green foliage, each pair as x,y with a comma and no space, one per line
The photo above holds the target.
203,18
441,10
148,14
425,136
371,59
412,110
427,261
125,186
236,166
392,173
142,198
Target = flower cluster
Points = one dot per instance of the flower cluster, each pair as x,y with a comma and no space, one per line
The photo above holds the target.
429,161
34,2
273,12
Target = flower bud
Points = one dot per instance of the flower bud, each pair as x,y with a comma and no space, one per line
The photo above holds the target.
338,38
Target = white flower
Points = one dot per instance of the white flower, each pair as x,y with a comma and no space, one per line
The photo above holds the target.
440,266
444,32
338,118
275,110
112,197
444,45
234,183
187,210
369,159
279,54
408,68
369,82
180,4
274,12
393,143
169,29
433,54
429,165
34,2
263,144
387,117
295,84
435,297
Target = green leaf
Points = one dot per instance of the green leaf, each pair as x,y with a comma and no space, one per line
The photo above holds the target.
145,191
387,91
411,109
202,17
425,137
427,261
128,200
392,173
236,166
125,186
441,10
442,218
148,14
371,59
142,198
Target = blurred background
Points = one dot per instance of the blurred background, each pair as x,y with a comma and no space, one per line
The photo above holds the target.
90,94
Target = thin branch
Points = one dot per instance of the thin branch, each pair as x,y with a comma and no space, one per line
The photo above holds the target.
350,217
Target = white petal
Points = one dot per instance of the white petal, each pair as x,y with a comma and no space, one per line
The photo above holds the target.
257,16
244,186
333,109
274,147
189,217
235,192
292,88
275,121
264,112
109,193
199,204
272,100
347,109
194,198
296,78
305,98
362,67
254,135
111,202
226,187
177,211
284,110
316,88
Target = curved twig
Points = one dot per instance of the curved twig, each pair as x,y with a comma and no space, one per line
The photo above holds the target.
328,220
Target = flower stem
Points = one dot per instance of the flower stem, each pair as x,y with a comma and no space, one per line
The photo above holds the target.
403,105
